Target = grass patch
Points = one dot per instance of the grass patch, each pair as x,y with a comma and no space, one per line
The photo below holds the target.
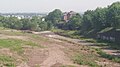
5,58
15,44
67,33
105,55
106,29
35,36
90,40
67,66
86,59
11,32
7,61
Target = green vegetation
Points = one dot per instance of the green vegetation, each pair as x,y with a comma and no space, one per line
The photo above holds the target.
34,24
15,44
67,66
106,29
101,18
54,16
7,61
90,40
105,55
67,33
86,59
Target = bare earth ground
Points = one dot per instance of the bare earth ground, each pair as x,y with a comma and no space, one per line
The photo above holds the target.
52,55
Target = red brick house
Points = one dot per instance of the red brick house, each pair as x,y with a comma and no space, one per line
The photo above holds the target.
68,15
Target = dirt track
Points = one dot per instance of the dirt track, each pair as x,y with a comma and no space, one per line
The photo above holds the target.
53,55
50,56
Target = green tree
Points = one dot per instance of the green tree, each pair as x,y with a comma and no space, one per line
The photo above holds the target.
54,16
43,26
26,24
75,22
99,19
18,25
49,25
34,24
87,22
113,15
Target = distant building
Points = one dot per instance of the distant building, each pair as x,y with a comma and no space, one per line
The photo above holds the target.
22,15
67,15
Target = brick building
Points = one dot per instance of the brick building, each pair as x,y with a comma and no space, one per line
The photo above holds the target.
67,15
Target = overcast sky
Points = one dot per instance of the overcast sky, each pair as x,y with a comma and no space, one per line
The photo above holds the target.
49,5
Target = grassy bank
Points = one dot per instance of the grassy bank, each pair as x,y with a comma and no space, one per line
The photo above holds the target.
100,43
67,33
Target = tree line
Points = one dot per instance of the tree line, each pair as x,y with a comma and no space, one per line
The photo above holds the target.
102,18
91,21
34,24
